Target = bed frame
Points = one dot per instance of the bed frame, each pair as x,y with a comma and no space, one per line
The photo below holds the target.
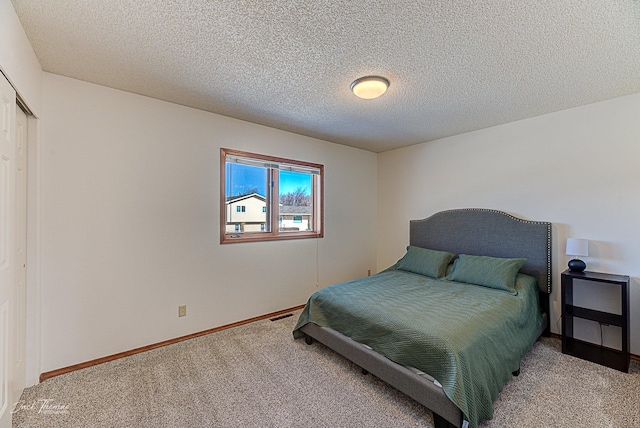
471,231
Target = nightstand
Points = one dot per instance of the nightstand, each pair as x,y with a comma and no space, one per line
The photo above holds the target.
617,359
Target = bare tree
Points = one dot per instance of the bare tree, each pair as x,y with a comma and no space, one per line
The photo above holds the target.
246,192
298,197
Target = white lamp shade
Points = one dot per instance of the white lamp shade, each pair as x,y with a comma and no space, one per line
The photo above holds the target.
577,247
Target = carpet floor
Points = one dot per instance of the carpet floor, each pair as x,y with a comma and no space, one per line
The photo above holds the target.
256,375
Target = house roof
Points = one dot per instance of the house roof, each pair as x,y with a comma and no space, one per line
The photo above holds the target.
454,67
290,209
232,199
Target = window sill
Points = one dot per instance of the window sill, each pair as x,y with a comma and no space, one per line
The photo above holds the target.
261,237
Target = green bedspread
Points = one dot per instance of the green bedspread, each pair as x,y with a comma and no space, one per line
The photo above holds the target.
469,338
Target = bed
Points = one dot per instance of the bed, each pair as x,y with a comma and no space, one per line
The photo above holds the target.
426,328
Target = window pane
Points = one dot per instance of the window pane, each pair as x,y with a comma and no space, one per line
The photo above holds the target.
296,201
246,198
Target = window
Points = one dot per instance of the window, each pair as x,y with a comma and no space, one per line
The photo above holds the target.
274,198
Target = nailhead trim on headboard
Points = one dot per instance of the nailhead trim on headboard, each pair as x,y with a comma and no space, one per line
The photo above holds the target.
548,224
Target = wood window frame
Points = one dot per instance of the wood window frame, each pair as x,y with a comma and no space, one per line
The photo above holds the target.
273,213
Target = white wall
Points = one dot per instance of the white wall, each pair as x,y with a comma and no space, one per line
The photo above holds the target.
130,223
578,168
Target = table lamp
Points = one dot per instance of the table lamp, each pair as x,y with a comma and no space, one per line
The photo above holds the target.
577,247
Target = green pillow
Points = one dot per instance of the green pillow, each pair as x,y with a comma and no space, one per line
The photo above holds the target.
490,272
424,261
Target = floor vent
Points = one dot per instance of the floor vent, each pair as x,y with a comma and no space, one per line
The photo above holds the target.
281,317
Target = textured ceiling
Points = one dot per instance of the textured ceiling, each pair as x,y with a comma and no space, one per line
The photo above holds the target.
454,66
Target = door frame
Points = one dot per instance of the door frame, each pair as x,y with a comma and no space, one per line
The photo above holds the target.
33,349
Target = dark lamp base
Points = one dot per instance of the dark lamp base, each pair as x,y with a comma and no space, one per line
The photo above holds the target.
577,265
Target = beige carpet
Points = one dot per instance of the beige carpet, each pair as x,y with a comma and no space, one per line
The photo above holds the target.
257,376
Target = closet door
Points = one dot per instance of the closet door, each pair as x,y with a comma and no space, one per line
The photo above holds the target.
20,260
7,248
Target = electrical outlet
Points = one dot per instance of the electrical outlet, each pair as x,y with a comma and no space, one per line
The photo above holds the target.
369,272
182,311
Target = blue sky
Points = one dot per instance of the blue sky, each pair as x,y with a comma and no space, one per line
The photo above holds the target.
243,177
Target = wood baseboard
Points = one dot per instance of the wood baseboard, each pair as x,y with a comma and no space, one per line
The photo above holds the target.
48,375
559,337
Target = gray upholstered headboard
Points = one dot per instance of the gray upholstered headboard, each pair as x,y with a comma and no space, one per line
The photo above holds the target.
483,232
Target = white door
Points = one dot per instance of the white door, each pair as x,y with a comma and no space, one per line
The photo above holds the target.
7,247
20,261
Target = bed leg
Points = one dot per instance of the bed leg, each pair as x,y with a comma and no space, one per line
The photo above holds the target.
364,371
308,339
517,372
440,422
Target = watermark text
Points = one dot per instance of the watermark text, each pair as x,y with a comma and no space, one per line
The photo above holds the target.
45,406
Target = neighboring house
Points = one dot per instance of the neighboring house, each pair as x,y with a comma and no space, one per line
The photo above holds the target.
295,217
248,213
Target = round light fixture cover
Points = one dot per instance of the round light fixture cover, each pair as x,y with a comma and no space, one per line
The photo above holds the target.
370,87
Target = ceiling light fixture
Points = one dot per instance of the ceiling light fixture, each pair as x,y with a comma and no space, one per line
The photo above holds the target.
370,87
